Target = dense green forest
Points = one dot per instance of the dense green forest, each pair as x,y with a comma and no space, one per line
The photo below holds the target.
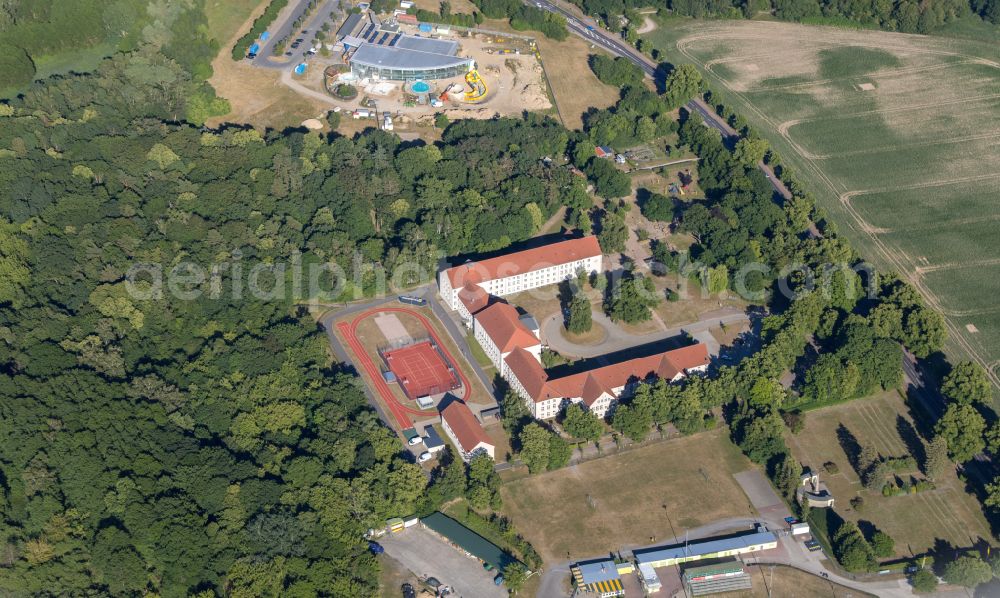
157,443
908,16
31,29
183,445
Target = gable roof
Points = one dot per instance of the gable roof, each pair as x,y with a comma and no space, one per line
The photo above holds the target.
591,384
528,371
503,325
473,297
465,426
519,262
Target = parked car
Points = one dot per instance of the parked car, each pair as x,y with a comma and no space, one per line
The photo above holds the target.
433,582
376,548
498,579
252,55
424,457
408,591
813,545
415,440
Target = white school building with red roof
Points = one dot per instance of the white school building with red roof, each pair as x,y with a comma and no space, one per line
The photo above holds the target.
473,290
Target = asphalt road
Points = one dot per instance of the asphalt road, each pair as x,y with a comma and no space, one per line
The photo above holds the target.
282,28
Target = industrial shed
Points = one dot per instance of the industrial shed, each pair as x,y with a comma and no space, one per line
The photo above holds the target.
467,540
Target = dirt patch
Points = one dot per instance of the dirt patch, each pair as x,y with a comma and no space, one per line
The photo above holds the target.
971,328
866,86
392,329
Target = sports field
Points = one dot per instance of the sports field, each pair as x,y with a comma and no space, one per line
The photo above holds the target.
897,135
915,521
605,504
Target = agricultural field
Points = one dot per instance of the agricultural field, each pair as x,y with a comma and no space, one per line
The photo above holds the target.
897,135
624,499
915,521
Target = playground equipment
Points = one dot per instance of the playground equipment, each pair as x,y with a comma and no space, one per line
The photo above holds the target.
478,87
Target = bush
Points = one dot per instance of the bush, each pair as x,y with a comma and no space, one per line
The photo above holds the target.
831,468
795,420
883,545
618,72
924,582
345,91
658,208
857,503
968,571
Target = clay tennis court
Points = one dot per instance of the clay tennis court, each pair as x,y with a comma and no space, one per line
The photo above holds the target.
421,370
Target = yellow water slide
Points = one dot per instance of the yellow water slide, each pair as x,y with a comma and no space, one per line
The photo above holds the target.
478,87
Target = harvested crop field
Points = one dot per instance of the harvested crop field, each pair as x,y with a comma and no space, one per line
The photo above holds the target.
897,135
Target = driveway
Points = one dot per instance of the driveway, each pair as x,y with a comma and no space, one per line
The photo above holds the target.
618,339
765,500
281,28
427,555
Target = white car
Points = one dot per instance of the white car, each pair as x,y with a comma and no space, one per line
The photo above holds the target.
415,440
424,456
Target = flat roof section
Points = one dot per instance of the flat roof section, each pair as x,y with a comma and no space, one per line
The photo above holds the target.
426,44
594,571
348,27
702,548
397,58
468,540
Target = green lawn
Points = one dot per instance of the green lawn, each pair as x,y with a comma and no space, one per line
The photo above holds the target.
226,16
78,61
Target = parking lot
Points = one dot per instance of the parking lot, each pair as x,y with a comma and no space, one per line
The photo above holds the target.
425,554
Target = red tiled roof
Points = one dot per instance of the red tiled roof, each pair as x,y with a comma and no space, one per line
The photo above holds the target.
591,384
502,324
473,297
464,424
528,260
527,370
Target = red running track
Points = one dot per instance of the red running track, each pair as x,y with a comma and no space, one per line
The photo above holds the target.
400,411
